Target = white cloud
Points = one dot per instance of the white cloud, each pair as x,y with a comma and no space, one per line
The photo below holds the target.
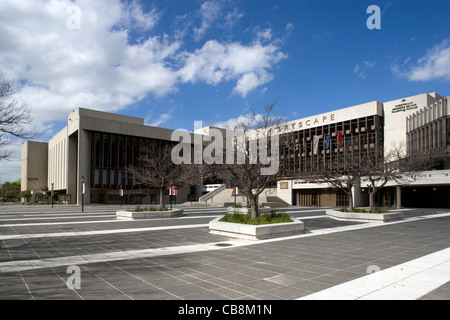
134,17
163,118
209,12
434,65
264,35
216,62
361,68
10,169
212,15
237,123
114,59
231,123
94,66
250,81
232,17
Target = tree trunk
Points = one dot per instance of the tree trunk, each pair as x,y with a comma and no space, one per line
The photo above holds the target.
253,206
372,201
161,198
350,200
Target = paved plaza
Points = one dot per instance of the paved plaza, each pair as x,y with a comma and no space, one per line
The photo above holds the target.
61,253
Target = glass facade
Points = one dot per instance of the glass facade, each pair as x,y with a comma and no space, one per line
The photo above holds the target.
308,152
304,152
111,154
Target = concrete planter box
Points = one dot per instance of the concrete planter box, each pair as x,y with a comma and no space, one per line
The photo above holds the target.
252,232
366,217
149,214
231,210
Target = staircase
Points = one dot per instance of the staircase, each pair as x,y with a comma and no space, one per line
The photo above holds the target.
223,197
271,199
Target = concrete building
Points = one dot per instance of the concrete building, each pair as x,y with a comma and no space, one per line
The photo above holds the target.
96,147
34,166
417,125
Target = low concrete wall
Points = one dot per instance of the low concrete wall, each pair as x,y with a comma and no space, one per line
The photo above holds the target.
365,217
231,210
253,232
149,214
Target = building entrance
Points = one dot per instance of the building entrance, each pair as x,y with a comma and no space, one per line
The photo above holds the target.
320,197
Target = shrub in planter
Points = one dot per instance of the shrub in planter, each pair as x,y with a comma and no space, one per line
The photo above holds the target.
265,218
139,209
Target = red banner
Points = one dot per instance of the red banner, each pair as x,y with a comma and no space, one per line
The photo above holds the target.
340,135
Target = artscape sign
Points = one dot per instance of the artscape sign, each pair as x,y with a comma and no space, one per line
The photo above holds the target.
308,123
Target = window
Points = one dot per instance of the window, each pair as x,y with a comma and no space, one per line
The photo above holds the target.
97,152
448,131
121,151
106,150
113,151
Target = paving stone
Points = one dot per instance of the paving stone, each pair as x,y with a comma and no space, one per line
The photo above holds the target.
280,269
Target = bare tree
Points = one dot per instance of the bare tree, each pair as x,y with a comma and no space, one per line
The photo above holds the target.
368,167
248,162
344,173
15,120
156,169
342,169
396,166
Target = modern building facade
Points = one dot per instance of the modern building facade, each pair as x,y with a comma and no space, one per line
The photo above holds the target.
95,148
34,166
417,125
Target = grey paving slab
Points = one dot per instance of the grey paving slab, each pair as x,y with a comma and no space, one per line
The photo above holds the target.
284,269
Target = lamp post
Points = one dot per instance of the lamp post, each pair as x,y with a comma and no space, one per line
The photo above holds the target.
170,196
52,193
120,194
82,194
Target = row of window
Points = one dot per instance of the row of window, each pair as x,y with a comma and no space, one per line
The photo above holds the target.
308,150
111,154
300,151
433,136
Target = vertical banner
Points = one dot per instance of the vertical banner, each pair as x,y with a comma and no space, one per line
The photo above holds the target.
326,143
304,143
315,144
340,134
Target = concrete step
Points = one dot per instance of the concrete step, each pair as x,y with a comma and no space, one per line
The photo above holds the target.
226,198
275,199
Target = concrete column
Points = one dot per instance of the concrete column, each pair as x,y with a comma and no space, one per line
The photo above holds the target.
359,199
398,191
83,166
72,169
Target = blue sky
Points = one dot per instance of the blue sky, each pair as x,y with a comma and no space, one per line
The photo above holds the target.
173,62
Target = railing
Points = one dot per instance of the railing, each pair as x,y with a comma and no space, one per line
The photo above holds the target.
211,194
